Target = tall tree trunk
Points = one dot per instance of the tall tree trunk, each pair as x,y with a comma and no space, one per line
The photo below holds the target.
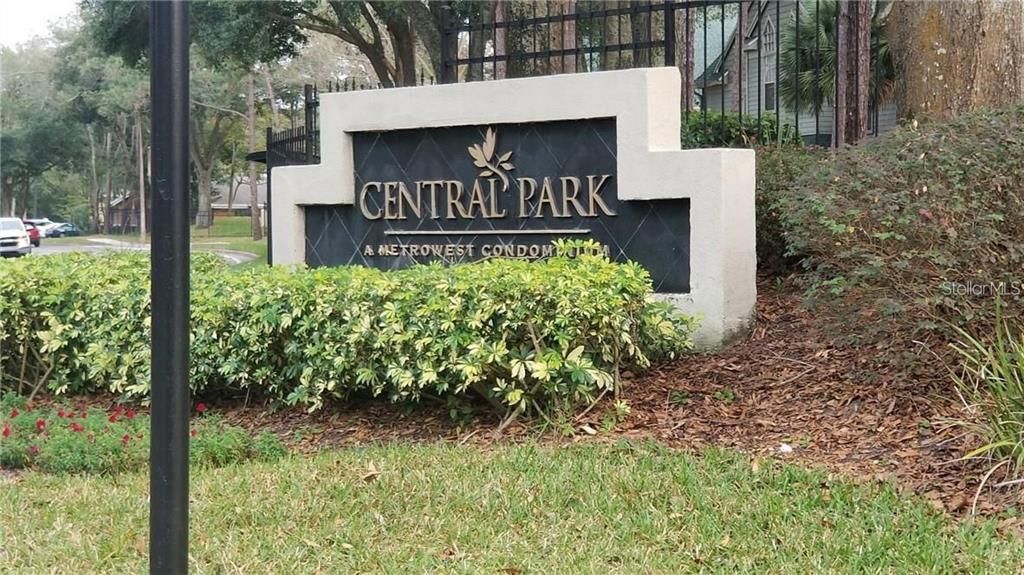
640,24
500,38
271,98
569,35
477,43
137,111
854,71
250,121
610,36
108,185
952,57
555,39
204,213
685,19
403,44
94,196
231,176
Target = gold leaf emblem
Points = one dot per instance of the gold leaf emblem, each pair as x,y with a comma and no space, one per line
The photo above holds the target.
483,158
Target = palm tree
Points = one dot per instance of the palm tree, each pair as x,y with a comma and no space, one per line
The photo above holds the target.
808,74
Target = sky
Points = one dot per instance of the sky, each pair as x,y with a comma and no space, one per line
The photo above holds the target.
20,20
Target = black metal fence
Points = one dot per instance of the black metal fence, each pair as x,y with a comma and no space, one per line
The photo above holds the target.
753,71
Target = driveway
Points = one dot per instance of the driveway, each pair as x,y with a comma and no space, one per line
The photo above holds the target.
95,245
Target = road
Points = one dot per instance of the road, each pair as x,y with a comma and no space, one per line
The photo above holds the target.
96,245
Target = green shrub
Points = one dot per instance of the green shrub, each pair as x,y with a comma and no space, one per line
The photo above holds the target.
778,167
727,131
538,335
66,439
991,381
917,228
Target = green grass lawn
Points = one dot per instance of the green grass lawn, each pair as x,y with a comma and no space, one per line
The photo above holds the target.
225,226
508,509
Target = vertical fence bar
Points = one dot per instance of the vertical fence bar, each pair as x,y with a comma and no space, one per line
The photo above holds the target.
817,73
704,72
688,61
670,34
308,121
778,49
796,74
168,476
270,211
741,59
840,83
721,65
760,84
875,60
445,24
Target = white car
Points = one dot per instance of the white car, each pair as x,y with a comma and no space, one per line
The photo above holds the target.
14,240
44,225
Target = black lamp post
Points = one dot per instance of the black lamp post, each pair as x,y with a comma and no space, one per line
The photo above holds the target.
168,479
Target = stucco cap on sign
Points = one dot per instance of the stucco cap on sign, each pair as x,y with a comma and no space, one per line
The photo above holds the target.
645,103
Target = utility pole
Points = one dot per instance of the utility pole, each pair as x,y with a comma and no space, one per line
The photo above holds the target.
168,472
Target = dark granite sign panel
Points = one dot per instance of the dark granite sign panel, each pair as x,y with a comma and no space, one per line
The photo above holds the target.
505,190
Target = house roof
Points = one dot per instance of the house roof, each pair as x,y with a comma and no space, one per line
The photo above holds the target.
220,195
714,71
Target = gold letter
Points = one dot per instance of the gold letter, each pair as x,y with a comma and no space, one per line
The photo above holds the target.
453,200
568,198
405,198
595,198
494,201
390,200
525,193
362,201
547,196
476,198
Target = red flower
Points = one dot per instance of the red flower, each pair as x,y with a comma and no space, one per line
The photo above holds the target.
60,413
126,438
112,418
14,413
40,424
33,450
7,430
193,432
77,427
200,407
130,414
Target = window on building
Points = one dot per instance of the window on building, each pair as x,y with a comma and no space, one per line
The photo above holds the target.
768,37
769,96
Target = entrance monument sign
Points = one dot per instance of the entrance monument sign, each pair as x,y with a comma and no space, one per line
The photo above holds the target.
459,172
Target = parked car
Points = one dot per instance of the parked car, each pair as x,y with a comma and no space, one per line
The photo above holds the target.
44,225
33,233
14,240
65,229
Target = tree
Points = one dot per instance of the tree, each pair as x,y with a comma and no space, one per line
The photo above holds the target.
809,67
953,57
235,37
808,75
36,133
216,99
387,33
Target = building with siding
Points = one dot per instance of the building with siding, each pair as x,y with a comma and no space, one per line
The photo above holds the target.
759,51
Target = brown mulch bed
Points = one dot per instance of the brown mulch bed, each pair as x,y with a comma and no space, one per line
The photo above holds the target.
787,393
784,393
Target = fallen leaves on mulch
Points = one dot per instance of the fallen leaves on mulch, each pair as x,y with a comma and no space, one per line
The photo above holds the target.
786,393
